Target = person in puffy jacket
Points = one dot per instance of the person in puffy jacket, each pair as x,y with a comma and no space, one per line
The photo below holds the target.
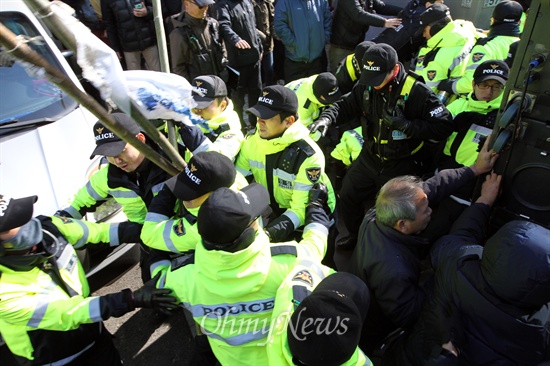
131,32
491,302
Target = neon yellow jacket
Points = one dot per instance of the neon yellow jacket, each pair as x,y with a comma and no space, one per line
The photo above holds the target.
288,184
467,153
494,49
231,295
170,227
446,53
309,107
349,147
227,136
31,302
111,181
301,281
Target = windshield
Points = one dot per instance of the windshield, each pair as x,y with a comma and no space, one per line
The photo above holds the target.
24,97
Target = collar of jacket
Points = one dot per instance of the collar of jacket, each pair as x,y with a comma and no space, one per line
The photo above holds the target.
235,274
398,238
292,134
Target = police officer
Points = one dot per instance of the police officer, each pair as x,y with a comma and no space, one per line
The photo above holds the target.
314,93
504,30
230,283
46,314
130,178
283,158
474,119
221,129
311,298
349,69
171,223
399,114
448,44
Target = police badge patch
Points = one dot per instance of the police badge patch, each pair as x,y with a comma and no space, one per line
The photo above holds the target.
420,59
476,57
65,220
303,276
313,174
178,228
431,74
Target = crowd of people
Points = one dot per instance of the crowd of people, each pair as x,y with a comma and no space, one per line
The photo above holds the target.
377,150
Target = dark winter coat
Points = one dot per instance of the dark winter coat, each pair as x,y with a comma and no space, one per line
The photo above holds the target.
352,19
389,263
237,21
493,303
126,32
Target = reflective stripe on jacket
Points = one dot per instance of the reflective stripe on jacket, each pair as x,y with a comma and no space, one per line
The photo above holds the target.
232,295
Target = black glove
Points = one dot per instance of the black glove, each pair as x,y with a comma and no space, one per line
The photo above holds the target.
321,124
318,195
398,121
62,213
154,298
192,136
129,232
446,85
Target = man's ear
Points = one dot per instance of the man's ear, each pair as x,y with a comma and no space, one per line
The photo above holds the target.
289,121
141,137
401,226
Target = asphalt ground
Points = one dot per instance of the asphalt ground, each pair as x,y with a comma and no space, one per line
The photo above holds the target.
144,338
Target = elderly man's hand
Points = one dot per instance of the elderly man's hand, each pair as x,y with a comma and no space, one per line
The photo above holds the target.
485,160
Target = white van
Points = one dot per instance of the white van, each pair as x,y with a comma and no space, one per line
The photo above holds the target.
46,138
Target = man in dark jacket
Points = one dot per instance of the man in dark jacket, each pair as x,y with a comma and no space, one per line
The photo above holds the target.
398,115
389,251
352,19
244,51
491,304
131,32
264,11
406,38
196,45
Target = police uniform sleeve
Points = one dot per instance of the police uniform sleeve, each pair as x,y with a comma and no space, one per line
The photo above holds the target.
91,195
347,108
433,121
463,85
242,164
164,230
310,172
81,232
228,143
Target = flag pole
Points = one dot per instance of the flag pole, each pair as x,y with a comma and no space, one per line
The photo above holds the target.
163,56
67,37
16,46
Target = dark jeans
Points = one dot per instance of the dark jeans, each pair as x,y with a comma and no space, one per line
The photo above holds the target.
250,82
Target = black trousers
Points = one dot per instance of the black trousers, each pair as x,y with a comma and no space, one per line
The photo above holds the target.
249,82
362,182
295,70
103,352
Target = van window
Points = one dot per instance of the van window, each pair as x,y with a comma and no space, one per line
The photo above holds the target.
28,100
